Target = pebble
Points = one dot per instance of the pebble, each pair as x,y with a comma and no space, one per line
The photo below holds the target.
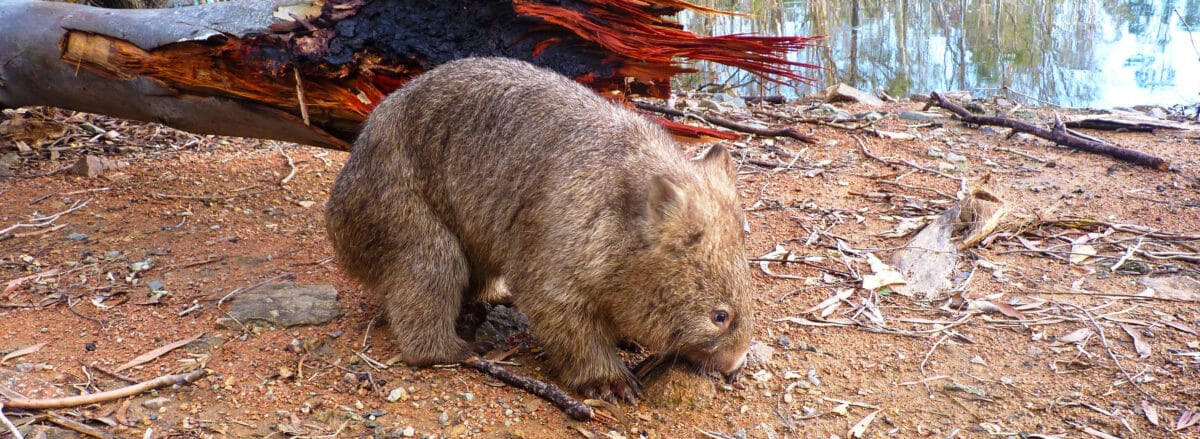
397,394
1033,351
78,236
23,367
156,403
155,285
444,418
785,342
468,396
409,431
760,354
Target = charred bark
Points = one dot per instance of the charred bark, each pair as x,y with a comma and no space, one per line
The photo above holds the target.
309,71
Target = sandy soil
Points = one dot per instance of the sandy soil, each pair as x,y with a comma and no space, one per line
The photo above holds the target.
1052,355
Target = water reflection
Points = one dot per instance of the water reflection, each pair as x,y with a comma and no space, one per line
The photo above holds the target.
1092,53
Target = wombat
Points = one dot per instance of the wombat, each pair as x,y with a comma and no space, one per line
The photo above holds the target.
488,174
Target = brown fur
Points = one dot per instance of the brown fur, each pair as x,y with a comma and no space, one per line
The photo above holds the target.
490,173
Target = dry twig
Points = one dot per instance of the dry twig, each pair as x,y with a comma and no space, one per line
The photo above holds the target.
549,392
75,401
1058,135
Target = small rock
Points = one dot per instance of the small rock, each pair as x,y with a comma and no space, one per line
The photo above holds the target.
141,265
1033,351
306,203
812,376
284,305
397,394
444,418
23,367
785,342
8,163
916,115
869,116
156,403
91,166
935,152
843,93
409,431
760,354
155,285
78,236
956,158
468,396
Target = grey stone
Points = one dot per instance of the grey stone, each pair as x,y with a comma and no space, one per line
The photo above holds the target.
916,115
284,305
843,93
155,285
78,236
760,354
156,403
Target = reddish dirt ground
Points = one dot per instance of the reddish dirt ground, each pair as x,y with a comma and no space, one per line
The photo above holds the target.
212,216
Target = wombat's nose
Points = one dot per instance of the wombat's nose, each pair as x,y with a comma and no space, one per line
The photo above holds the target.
730,369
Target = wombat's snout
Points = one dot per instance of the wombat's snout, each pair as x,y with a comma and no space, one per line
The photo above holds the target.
730,367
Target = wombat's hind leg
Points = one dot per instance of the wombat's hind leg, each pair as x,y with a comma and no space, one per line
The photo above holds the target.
423,284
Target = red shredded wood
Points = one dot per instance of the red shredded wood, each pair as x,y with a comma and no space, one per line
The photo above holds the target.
637,32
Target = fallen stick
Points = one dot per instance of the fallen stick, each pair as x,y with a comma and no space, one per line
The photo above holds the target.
1058,135
725,123
75,401
549,392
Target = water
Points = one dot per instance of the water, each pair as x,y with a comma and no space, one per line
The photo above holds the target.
1091,53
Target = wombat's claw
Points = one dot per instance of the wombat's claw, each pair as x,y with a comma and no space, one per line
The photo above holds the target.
612,391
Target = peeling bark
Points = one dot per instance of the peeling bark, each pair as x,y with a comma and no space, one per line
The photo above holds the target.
309,71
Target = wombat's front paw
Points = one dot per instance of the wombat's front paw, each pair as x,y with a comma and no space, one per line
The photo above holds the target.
625,389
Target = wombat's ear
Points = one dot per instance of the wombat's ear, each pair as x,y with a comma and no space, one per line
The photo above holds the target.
718,157
665,199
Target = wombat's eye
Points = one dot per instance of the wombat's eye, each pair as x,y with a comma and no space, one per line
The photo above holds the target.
720,317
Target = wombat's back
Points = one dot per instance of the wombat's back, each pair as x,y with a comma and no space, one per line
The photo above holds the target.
497,146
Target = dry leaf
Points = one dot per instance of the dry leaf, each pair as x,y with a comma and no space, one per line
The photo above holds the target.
860,427
1008,310
1178,326
1081,252
1098,433
782,254
156,353
831,301
1076,336
1187,419
13,284
807,322
1139,342
882,275
1151,412
23,351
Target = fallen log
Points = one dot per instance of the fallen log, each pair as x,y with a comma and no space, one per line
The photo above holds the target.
1059,135
309,71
